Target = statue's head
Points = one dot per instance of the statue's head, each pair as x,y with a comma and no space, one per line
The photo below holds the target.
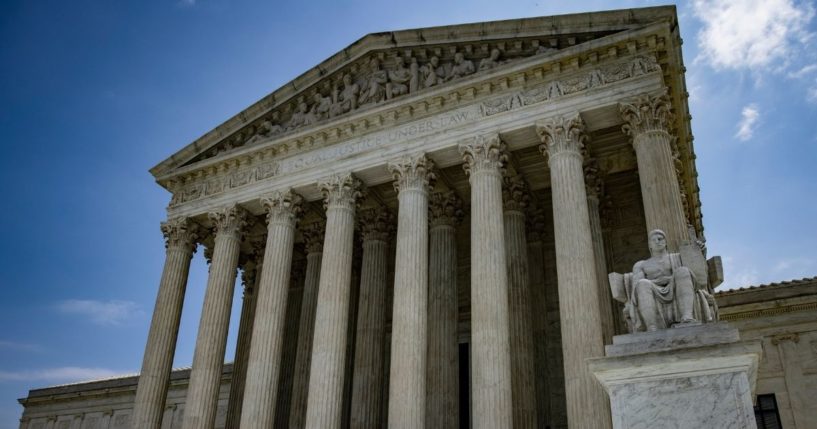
458,57
657,241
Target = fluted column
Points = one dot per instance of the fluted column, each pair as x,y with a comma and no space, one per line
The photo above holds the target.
587,404
289,350
490,331
180,243
313,244
263,368
534,232
648,118
595,190
208,359
523,381
407,388
367,384
325,398
442,380
249,277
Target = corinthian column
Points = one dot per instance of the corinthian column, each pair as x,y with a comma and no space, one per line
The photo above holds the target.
442,380
648,118
523,380
587,404
367,384
313,240
180,243
407,380
490,331
208,359
534,232
263,368
249,278
595,189
325,398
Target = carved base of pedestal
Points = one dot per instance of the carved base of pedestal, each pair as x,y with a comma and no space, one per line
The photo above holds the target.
693,377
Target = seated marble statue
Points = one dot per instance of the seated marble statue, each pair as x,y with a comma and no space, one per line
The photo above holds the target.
668,289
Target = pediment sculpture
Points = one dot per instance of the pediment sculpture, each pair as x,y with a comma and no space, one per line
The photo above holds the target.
668,289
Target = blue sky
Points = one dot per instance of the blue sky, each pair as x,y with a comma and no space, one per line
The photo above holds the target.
94,93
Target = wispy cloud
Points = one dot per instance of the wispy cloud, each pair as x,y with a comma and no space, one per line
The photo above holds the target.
17,346
108,313
67,374
748,121
752,34
737,273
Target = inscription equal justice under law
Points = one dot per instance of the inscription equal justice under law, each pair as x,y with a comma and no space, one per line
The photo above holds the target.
379,140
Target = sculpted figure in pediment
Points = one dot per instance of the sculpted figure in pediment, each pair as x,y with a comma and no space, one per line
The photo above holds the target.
345,100
399,79
433,73
490,62
543,50
301,117
461,68
373,89
320,107
265,130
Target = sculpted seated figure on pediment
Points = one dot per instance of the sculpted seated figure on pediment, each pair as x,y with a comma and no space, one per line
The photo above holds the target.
345,100
433,72
668,289
303,116
461,67
373,89
490,62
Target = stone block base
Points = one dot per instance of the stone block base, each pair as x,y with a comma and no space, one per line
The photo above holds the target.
691,377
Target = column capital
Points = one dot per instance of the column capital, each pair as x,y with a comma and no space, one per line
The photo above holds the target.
412,172
180,232
376,224
230,221
445,208
535,224
283,207
646,113
515,194
484,153
313,236
561,136
340,191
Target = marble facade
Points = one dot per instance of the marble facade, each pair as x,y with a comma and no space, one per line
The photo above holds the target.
420,229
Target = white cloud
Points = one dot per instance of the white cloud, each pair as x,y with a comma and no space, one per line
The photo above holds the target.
114,312
738,274
748,121
752,34
66,374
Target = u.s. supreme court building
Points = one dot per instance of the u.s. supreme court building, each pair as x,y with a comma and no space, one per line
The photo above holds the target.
423,225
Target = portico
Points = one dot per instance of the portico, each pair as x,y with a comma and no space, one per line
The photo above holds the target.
485,201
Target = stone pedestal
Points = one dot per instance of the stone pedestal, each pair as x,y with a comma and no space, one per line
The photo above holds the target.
694,377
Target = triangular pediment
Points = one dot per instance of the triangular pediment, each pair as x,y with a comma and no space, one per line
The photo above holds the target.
383,68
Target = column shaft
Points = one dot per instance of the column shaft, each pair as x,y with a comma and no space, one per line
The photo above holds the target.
521,337
242,347
407,388
263,368
490,331
151,392
367,384
208,359
647,120
325,398
605,298
538,303
293,313
313,235
587,404
442,381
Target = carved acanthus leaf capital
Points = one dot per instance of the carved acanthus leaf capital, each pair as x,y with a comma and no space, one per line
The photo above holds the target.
646,113
341,191
313,236
445,208
283,207
376,224
535,224
485,153
561,136
180,233
414,172
515,194
593,180
231,221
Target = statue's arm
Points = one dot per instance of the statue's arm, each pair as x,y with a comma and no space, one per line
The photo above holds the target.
638,272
